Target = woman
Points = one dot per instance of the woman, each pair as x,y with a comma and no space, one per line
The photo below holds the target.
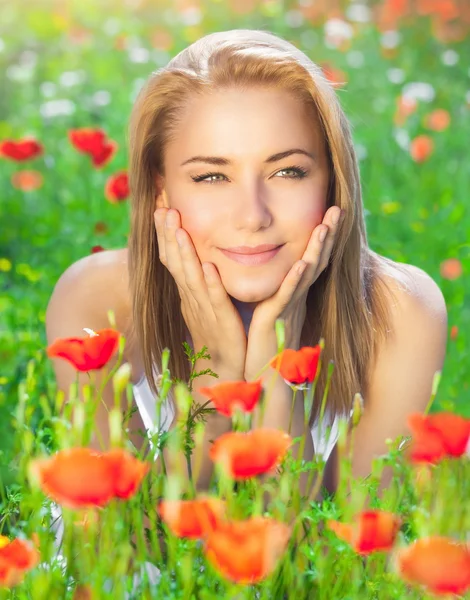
244,139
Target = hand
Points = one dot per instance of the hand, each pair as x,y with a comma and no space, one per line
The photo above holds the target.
210,315
289,302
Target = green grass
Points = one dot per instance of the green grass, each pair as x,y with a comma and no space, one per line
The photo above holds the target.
416,213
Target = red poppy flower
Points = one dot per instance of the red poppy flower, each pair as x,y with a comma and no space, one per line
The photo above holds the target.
84,478
437,120
25,149
88,140
421,148
437,436
87,353
230,395
297,366
445,9
27,181
405,107
192,518
16,558
248,551
374,531
451,269
440,564
103,155
117,187
454,331
247,454
96,249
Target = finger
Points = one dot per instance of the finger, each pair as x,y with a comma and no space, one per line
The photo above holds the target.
312,255
216,291
173,256
326,251
191,266
202,280
278,302
159,218
290,285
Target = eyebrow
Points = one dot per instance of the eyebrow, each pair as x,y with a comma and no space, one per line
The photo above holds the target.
221,161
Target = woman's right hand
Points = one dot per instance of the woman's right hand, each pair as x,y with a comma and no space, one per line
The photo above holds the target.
210,315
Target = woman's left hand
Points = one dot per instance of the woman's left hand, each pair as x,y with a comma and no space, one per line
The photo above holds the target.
289,302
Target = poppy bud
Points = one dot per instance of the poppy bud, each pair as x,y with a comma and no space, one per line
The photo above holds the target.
121,379
358,409
115,426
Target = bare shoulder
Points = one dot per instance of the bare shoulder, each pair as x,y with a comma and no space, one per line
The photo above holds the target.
415,345
415,293
87,290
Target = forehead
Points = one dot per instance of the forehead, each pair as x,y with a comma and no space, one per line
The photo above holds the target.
252,122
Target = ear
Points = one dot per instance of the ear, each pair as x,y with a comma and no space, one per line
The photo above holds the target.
161,199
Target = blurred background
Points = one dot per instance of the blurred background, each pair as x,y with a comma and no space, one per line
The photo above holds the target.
402,72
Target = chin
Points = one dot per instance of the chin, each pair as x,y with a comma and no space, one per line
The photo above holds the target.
251,291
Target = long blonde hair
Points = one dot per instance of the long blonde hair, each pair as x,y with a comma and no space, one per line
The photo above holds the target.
346,305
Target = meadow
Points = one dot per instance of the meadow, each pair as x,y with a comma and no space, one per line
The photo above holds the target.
402,74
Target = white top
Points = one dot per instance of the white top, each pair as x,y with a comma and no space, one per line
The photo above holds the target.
324,439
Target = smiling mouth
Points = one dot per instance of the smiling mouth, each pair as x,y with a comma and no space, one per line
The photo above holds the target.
259,258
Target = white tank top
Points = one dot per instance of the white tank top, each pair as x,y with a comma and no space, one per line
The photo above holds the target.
324,438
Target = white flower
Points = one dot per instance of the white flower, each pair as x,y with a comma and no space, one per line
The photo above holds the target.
71,78
359,13
112,26
294,18
396,75
101,98
20,73
390,39
355,58
419,91
337,31
402,138
450,58
139,55
191,16
48,89
55,108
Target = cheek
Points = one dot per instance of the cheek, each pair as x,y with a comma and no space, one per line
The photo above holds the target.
301,223
200,226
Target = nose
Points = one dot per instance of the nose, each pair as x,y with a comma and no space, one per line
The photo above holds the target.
251,208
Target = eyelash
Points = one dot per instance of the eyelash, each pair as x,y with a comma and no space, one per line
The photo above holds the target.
301,173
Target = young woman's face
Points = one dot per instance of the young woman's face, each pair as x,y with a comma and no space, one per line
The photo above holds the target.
253,199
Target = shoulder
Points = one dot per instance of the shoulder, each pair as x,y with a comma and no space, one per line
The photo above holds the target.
416,299
88,289
415,347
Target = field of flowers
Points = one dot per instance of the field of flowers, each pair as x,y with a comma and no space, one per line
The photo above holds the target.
69,73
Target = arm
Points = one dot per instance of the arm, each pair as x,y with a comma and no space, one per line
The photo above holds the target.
401,380
81,298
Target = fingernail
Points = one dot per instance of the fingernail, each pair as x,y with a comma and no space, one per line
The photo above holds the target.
335,217
322,235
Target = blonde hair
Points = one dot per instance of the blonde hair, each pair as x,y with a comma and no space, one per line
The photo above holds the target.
346,305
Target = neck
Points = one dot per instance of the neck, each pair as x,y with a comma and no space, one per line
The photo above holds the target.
245,310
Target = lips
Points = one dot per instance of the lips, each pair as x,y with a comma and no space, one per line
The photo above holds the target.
255,250
260,258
